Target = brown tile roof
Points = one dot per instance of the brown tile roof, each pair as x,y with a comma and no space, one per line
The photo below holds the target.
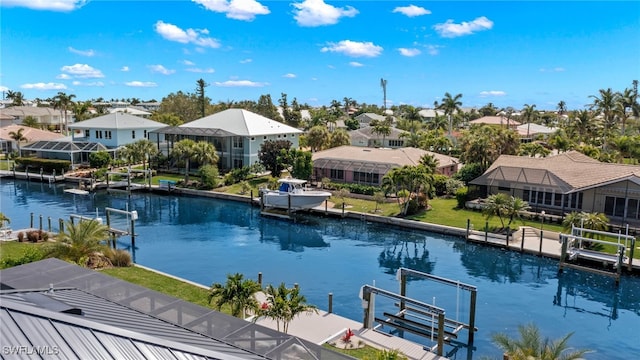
30,133
571,171
494,120
399,157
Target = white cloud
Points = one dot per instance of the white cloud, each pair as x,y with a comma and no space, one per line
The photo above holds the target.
412,10
4,88
53,5
44,86
95,83
88,53
141,84
289,75
188,63
82,71
246,61
198,70
161,69
492,93
354,48
450,29
433,49
236,9
409,52
556,69
240,83
356,64
317,13
124,68
190,36
63,77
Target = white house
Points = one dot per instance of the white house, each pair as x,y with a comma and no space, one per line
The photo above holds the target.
114,130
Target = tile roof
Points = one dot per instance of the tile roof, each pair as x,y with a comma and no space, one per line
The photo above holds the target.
118,121
367,132
398,157
24,111
30,133
242,123
572,171
494,120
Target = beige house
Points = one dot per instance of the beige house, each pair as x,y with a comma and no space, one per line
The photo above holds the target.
495,120
367,166
568,182
366,136
45,116
8,145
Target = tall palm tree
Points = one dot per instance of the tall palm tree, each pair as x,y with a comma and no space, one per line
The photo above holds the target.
63,102
605,106
529,112
80,110
413,114
562,109
16,97
623,104
237,292
531,345
18,137
184,150
450,105
382,128
78,242
147,149
339,137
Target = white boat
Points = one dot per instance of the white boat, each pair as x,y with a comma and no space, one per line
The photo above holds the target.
291,195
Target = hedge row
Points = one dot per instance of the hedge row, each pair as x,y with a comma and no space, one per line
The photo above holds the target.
47,165
355,188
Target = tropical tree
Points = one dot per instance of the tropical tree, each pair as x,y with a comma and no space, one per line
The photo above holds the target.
381,128
4,219
167,118
408,182
531,345
283,305
203,101
562,109
31,122
339,137
184,151
533,149
529,113
184,105
585,220
412,114
81,241
16,97
605,106
204,153
318,138
80,110
238,293
450,105
146,149
505,207
63,102
270,155
18,137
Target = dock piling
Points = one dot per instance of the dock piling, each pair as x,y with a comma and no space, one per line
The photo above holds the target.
330,303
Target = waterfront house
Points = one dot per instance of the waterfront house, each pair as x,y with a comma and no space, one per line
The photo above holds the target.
237,135
32,135
567,182
114,130
367,166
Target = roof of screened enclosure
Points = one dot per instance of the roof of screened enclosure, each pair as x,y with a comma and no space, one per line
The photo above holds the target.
153,321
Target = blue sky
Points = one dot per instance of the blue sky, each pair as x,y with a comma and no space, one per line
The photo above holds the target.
509,53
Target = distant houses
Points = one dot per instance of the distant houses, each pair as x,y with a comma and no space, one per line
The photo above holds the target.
367,166
366,136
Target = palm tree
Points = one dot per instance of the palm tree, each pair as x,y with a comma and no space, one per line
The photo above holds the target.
450,105
238,293
605,105
624,102
16,97
4,219
204,153
411,113
283,305
586,220
31,122
18,137
80,110
63,101
562,109
184,151
505,206
147,149
382,128
79,242
339,137
318,137
532,346
528,113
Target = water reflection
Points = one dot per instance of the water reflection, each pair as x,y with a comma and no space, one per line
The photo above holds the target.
291,236
406,253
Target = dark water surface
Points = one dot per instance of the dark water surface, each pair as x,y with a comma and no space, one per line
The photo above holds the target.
203,240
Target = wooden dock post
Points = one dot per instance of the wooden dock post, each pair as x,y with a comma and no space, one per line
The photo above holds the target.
40,227
522,241
486,231
468,229
633,246
343,208
541,237
60,225
330,303
472,315
260,279
49,221
133,231
31,223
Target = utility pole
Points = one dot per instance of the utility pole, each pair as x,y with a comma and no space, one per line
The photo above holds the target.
383,83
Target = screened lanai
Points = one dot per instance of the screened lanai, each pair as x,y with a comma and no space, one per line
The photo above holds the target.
74,151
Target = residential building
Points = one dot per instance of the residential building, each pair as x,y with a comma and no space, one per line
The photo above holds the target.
567,182
365,119
47,117
32,135
237,134
114,130
366,136
367,166
496,121
132,110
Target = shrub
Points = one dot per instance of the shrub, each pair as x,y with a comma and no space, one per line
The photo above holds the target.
47,165
33,236
440,184
208,176
99,159
462,195
119,257
21,236
30,255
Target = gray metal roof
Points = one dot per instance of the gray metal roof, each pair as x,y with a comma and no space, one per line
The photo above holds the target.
193,131
65,146
153,323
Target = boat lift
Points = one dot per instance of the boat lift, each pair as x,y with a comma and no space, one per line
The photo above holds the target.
572,250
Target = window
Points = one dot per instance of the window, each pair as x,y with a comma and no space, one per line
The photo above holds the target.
98,134
237,163
144,134
107,134
632,210
237,142
614,206
396,143
366,178
337,174
87,133
133,134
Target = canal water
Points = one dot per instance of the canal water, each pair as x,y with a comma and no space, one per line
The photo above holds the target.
203,240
